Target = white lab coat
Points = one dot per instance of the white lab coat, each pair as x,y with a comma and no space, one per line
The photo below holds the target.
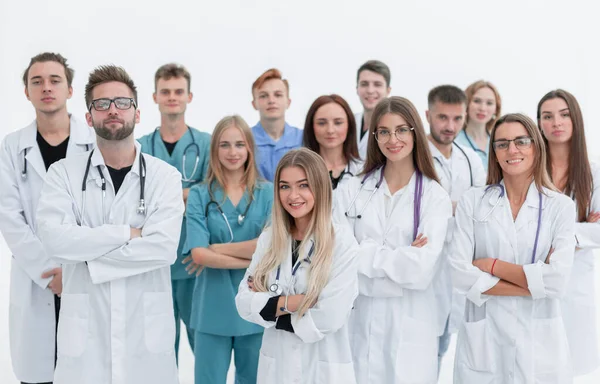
319,349
393,325
579,303
116,320
457,175
508,339
32,320
362,143
353,168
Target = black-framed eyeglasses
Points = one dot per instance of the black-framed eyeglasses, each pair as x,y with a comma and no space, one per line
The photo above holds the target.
520,143
384,135
122,103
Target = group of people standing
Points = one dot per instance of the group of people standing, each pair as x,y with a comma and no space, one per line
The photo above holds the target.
350,260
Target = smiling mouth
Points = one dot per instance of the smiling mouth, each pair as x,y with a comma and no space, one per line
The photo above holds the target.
514,161
296,205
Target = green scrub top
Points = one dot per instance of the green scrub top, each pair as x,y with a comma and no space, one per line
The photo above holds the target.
153,144
213,304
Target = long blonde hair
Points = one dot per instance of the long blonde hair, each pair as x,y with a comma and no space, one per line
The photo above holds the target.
215,168
539,171
320,227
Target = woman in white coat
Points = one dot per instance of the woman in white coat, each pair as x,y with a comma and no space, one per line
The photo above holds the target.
512,254
561,121
302,280
330,131
399,213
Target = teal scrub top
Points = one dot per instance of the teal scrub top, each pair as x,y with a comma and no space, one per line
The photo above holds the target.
153,144
213,303
466,141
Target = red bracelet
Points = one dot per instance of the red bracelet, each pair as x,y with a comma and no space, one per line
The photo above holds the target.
493,264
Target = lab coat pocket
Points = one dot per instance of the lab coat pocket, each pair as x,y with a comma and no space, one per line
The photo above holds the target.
73,326
266,369
335,373
416,358
159,322
475,349
551,349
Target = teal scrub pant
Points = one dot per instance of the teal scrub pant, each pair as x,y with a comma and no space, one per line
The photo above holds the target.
183,291
212,359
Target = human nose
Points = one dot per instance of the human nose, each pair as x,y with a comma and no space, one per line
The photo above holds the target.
512,147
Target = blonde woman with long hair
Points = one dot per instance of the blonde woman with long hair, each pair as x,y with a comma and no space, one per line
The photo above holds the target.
225,216
400,214
512,253
302,281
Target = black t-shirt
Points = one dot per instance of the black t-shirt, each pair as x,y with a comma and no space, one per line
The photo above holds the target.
170,147
51,154
117,176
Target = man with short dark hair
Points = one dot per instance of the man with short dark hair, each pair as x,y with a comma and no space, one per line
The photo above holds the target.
458,169
112,217
372,85
25,156
187,149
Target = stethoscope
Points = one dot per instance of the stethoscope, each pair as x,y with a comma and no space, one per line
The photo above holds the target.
278,289
24,170
336,180
141,209
184,176
417,198
476,149
240,219
466,157
500,197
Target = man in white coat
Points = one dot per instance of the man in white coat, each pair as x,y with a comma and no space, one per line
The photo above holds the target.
458,169
372,85
112,217
25,156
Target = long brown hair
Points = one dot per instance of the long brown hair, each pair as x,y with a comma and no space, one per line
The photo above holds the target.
470,92
319,227
215,169
350,148
579,178
539,172
421,154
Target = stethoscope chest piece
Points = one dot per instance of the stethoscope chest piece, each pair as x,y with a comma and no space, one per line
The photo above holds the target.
241,219
276,289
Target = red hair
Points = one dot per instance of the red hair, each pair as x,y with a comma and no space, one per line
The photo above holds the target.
270,74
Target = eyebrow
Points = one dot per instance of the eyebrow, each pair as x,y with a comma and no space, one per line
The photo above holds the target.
297,182
518,137
39,77
561,110
397,126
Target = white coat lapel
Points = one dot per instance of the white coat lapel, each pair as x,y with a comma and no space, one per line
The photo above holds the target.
34,158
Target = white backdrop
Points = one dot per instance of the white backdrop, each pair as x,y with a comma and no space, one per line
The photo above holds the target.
525,48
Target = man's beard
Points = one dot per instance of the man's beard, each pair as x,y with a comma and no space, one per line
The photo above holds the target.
114,135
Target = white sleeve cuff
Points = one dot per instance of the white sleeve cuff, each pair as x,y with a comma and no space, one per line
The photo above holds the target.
535,280
483,284
305,329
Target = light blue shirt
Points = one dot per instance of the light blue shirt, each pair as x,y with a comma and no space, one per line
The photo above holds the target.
468,142
213,304
269,151
153,144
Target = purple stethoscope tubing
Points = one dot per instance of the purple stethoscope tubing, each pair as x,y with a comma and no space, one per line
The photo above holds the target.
417,198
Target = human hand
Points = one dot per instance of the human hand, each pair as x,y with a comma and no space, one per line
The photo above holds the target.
484,264
55,284
593,217
135,232
420,241
192,267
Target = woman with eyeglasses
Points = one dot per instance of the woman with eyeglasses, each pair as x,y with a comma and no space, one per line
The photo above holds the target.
484,106
302,281
225,216
399,213
512,254
561,122
330,131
